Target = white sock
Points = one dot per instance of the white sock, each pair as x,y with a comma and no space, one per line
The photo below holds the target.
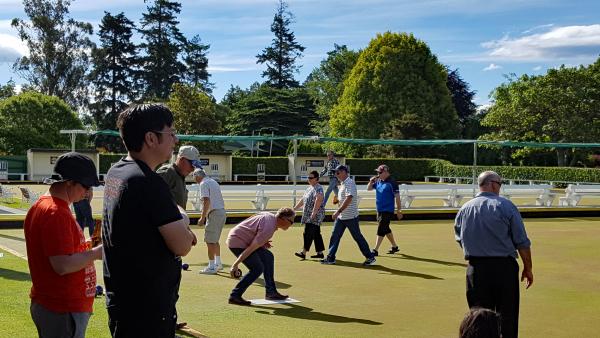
218,260
211,264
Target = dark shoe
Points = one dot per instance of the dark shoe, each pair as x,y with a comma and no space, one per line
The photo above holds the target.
275,296
375,252
393,250
369,261
328,261
239,301
180,326
319,255
300,254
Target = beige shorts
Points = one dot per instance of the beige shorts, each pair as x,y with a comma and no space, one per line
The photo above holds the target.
214,225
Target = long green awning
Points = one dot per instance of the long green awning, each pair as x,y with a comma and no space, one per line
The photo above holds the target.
226,138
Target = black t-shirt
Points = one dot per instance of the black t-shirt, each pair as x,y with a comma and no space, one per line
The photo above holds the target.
141,274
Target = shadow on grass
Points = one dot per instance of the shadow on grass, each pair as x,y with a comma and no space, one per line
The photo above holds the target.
20,239
259,281
14,275
386,269
428,260
303,312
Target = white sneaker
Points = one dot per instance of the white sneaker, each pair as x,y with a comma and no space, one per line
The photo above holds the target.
208,271
220,267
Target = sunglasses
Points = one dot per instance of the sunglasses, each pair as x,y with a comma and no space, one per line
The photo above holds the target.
290,220
311,177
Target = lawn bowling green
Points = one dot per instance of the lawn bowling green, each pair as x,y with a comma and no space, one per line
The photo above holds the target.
418,292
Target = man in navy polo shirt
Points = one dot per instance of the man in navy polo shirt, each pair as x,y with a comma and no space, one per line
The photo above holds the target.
386,192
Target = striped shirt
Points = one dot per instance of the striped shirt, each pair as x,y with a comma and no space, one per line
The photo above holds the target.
348,188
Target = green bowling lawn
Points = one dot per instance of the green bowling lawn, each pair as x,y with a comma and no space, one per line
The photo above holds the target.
418,292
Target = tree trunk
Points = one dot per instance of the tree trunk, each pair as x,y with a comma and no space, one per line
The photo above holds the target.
561,157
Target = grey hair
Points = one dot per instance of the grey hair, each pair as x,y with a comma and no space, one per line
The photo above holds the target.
199,173
487,176
285,213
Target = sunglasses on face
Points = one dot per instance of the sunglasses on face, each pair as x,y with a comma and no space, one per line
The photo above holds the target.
290,220
311,177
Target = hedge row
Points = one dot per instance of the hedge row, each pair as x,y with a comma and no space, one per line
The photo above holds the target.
407,169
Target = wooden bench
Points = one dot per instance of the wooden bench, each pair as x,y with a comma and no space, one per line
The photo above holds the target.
541,192
574,193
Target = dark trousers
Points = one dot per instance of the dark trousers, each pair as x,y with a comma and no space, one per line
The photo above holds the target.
312,232
138,325
339,226
260,262
493,283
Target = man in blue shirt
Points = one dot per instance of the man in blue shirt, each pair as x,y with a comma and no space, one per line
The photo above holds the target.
490,231
386,193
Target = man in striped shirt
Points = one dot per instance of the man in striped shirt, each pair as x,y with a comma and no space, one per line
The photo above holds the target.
347,217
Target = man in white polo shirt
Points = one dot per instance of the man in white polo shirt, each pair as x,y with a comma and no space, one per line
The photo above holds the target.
213,216
347,217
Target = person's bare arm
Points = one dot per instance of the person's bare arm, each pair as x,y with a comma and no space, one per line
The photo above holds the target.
398,206
205,207
371,183
527,274
247,252
343,207
65,264
299,204
178,236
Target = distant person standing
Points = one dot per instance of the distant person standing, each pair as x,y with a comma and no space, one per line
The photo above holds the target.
213,217
175,173
490,230
329,170
312,216
144,232
83,212
386,193
60,260
347,217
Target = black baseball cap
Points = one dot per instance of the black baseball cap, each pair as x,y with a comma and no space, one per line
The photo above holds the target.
341,167
76,167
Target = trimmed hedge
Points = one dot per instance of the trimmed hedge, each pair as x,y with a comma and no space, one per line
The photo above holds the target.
402,169
247,165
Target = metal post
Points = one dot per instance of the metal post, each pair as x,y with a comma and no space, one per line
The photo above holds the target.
271,148
295,142
474,167
252,145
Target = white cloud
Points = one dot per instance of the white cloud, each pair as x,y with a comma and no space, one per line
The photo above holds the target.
537,28
492,66
537,68
557,44
11,48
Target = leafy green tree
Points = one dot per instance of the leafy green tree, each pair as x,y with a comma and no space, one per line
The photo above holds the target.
280,57
326,83
196,63
194,111
266,109
58,50
396,85
561,106
163,43
33,120
115,71
462,99
7,90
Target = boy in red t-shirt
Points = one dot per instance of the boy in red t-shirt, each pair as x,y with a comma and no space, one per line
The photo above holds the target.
60,261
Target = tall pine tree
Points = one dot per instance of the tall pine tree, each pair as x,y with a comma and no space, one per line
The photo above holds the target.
163,43
58,50
196,64
115,70
281,56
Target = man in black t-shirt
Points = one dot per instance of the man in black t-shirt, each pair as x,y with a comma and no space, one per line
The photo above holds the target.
144,232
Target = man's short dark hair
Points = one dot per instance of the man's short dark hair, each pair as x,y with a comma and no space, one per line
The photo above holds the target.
135,121
481,323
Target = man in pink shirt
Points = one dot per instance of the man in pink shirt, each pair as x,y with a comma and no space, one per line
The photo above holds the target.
249,241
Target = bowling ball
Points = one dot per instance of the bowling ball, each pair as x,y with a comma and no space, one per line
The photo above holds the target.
185,266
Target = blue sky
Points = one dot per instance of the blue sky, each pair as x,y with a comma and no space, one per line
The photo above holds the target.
484,39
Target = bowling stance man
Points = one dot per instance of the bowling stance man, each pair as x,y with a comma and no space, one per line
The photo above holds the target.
61,265
250,242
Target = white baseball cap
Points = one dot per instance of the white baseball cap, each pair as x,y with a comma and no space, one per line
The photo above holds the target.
190,153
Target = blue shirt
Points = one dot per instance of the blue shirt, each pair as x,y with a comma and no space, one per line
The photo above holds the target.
385,194
490,226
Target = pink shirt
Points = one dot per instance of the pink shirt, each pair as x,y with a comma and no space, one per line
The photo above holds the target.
258,228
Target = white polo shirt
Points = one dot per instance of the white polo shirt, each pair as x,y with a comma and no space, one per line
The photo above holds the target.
211,189
348,188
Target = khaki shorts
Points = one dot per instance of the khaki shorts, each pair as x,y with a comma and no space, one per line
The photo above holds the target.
214,225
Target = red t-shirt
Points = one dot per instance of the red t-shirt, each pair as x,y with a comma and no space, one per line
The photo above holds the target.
51,230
